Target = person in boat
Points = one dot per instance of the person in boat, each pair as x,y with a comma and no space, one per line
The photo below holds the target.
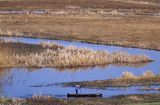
76,88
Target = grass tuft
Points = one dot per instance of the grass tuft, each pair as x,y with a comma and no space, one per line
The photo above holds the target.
130,75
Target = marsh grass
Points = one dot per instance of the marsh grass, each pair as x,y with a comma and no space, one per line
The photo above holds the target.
130,75
135,99
148,74
4,59
115,30
58,56
126,80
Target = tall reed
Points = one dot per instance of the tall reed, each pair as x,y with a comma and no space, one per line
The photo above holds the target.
55,55
130,75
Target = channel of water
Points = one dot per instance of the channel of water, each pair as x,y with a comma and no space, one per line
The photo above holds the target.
23,82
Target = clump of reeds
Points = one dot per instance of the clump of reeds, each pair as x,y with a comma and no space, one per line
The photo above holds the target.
51,45
130,75
39,97
148,74
10,32
55,55
115,12
4,59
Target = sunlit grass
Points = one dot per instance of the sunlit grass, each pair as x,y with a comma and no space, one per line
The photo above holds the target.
130,75
55,55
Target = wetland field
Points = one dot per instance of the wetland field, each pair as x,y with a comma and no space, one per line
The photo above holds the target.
47,47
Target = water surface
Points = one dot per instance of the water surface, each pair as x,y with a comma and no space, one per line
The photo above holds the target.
20,82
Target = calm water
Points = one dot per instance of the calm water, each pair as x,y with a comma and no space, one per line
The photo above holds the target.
20,82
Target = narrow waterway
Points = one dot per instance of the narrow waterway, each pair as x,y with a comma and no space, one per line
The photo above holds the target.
23,82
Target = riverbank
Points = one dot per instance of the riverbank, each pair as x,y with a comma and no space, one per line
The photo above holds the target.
111,22
125,81
118,100
127,31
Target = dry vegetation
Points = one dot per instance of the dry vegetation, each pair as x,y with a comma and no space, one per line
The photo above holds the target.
127,79
118,100
135,31
129,23
61,4
55,55
130,75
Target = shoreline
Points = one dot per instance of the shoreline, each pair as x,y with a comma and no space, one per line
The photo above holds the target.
134,99
116,30
116,83
81,41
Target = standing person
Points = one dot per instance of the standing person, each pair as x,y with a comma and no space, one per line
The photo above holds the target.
76,88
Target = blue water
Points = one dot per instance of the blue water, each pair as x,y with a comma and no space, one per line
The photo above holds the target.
20,82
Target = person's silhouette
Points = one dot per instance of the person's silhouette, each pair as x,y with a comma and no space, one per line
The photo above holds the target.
76,88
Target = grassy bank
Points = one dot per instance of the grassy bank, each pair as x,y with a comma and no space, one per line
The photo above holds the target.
129,23
55,55
127,31
112,22
128,79
147,99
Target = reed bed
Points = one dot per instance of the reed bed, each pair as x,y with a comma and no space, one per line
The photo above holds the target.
130,75
58,56
4,59
126,80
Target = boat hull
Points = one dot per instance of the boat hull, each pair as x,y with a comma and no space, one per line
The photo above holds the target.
84,95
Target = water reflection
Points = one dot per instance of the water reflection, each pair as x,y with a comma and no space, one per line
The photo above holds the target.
136,65
22,82
4,74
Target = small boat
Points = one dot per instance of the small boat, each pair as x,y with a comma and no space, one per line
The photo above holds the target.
84,95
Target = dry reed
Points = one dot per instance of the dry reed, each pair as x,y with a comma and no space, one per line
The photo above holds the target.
130,75
148,74
55,55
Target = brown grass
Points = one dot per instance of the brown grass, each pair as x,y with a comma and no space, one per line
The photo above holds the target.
61,4
54,55
130,75
2,59
117,100
134,31
129,23
128,79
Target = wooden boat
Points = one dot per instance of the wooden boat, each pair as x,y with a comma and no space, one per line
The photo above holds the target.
84,95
